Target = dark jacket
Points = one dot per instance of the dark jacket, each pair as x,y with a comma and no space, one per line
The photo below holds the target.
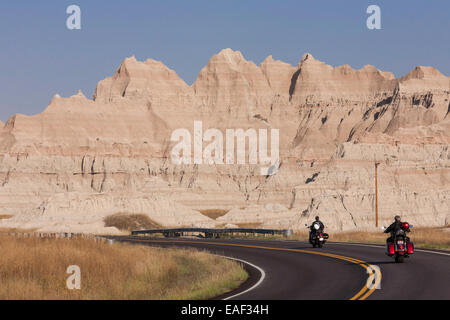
393,228
321,226
396,225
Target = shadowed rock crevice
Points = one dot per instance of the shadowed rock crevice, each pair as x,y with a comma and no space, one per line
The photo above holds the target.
293,82
312,179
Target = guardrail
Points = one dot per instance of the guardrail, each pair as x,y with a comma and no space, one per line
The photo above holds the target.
210,233
54,235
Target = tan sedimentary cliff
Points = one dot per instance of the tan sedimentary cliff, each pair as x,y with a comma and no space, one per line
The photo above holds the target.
80,160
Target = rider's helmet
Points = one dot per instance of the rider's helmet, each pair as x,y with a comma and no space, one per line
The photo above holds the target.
317,218
405,225
397,218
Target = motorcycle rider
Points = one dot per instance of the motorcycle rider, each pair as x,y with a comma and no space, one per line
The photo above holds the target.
313,231
393,228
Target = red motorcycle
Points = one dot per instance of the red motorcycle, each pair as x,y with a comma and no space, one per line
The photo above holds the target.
401,246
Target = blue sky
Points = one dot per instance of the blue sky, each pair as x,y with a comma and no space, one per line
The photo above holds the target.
39,56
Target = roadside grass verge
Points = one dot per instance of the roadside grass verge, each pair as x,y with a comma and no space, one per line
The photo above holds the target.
34,268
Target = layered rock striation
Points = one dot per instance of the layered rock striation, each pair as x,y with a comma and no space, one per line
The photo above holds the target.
81,160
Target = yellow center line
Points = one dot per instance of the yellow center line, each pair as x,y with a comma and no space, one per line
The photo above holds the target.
361,295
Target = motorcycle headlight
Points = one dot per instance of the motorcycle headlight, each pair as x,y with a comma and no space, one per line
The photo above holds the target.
316,226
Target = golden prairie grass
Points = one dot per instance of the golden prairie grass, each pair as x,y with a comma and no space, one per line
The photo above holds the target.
438,238
128,222
34,268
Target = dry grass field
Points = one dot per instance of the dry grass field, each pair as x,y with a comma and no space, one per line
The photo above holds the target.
34,268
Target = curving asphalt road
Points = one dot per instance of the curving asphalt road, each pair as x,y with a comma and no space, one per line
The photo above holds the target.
291,270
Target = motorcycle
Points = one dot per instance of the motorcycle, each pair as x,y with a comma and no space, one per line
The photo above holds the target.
317,238
401,247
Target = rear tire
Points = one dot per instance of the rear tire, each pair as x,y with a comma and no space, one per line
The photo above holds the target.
399,258
320,245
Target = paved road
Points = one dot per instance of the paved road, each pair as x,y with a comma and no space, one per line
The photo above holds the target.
290,270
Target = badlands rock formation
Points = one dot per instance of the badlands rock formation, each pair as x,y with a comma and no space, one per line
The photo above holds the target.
81,160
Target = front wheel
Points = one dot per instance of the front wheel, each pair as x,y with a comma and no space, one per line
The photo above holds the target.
399,258
320,244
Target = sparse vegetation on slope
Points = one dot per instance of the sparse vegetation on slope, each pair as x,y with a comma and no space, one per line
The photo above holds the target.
128,222
213,213
34,268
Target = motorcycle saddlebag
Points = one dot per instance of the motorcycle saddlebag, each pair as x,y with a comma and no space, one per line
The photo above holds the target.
325,235
410,247
390,249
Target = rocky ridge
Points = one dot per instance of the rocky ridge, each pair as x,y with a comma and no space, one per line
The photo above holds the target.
80,160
